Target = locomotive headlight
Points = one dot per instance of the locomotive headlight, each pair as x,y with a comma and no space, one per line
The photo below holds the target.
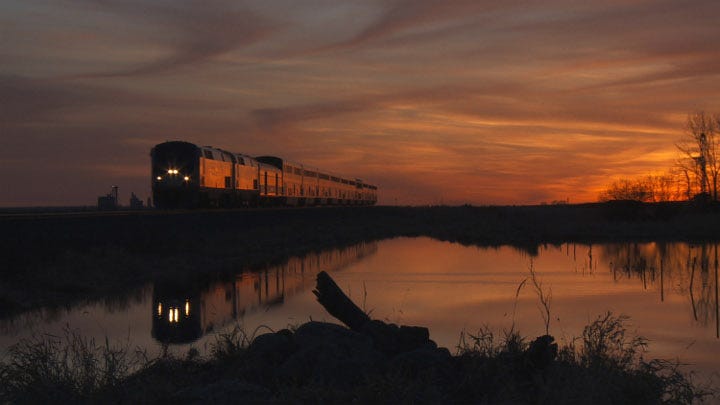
170,171
159,178
187,178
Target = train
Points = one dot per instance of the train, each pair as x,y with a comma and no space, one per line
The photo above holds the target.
186,175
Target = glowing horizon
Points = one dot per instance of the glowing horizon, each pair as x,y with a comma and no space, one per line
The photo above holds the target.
433,101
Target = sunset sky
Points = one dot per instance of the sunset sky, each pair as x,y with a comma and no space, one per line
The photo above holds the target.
434,101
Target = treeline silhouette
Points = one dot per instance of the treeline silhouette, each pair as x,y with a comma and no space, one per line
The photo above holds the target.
694,175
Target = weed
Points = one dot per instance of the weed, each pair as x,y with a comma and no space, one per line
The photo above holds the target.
480,344
543,296
230,344
68,367
605,343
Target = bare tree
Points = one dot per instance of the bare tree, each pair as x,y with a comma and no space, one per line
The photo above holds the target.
626,189
700,149
651,188
687,179
696,172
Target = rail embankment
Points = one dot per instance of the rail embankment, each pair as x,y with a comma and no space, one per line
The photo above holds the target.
52,260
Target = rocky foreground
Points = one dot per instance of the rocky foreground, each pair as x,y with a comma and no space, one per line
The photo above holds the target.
371,361
323,362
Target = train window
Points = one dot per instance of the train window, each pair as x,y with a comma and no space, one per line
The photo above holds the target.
241,161
208,154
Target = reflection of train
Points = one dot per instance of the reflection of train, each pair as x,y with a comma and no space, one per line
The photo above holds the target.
182,315
185,175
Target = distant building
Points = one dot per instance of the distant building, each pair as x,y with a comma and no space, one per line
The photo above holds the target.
135,202
108,202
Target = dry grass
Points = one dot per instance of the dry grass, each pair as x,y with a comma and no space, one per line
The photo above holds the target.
603,366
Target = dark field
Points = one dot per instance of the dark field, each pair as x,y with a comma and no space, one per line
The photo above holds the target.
65,259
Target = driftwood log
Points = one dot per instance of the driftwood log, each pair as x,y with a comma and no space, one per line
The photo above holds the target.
330,296
390,339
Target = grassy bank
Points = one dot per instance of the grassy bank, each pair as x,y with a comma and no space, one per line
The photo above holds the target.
326,363
65,259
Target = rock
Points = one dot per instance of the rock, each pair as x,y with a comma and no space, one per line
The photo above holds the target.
330,354
391,339
541,352
271,348
413,337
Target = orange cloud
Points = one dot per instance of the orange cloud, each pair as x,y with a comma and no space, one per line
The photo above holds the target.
434,101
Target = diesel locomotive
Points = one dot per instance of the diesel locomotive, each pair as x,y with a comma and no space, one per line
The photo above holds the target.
185,175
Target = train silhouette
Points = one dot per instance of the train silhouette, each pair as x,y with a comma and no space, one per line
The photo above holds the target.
185,175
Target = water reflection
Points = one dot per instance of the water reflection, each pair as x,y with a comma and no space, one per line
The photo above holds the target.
688,270
184,313
669,290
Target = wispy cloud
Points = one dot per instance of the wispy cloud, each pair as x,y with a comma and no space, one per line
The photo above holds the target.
460,101
195,31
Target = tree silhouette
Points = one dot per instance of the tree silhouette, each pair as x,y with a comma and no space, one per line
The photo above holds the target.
696,172
699,147
651,188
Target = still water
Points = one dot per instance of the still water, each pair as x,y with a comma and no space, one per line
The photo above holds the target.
669,291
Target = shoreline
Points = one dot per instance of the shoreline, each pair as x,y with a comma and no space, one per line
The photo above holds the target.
366,361
59,260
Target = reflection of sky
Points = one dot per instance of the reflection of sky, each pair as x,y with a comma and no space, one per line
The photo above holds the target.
435,101
450,288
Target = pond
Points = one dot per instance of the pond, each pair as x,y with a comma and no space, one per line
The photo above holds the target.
669,291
